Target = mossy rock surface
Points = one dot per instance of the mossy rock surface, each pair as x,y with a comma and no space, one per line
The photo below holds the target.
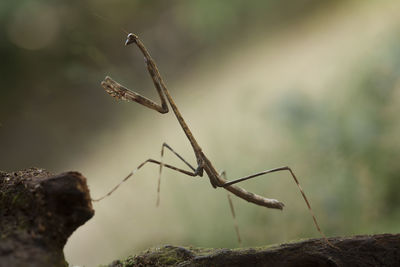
38,212
374,250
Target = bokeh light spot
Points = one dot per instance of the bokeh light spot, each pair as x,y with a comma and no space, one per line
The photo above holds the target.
34,26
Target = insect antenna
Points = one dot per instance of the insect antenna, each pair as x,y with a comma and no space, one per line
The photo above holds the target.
109,21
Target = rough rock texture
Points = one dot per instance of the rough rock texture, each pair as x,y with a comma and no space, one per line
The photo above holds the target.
375,250
38,212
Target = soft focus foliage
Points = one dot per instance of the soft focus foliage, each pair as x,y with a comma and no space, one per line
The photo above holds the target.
55,54
356,131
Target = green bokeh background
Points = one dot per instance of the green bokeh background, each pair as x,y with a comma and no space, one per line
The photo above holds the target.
310,84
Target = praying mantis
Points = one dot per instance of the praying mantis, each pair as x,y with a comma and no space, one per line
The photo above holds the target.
217,179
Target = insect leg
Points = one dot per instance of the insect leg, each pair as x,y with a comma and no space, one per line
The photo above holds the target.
286,168
140,166
223,174
165,145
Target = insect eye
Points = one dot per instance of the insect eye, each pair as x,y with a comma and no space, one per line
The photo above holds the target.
131,38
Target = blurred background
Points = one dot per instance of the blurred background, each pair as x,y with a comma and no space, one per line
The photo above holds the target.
314,85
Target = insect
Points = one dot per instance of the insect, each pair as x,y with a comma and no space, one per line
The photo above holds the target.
217,180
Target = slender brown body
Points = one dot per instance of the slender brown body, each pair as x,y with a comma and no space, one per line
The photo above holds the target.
203,163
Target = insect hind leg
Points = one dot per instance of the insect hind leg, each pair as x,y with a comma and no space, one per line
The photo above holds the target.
223,174
285,168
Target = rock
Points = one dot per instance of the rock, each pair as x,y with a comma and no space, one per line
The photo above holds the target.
38,212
